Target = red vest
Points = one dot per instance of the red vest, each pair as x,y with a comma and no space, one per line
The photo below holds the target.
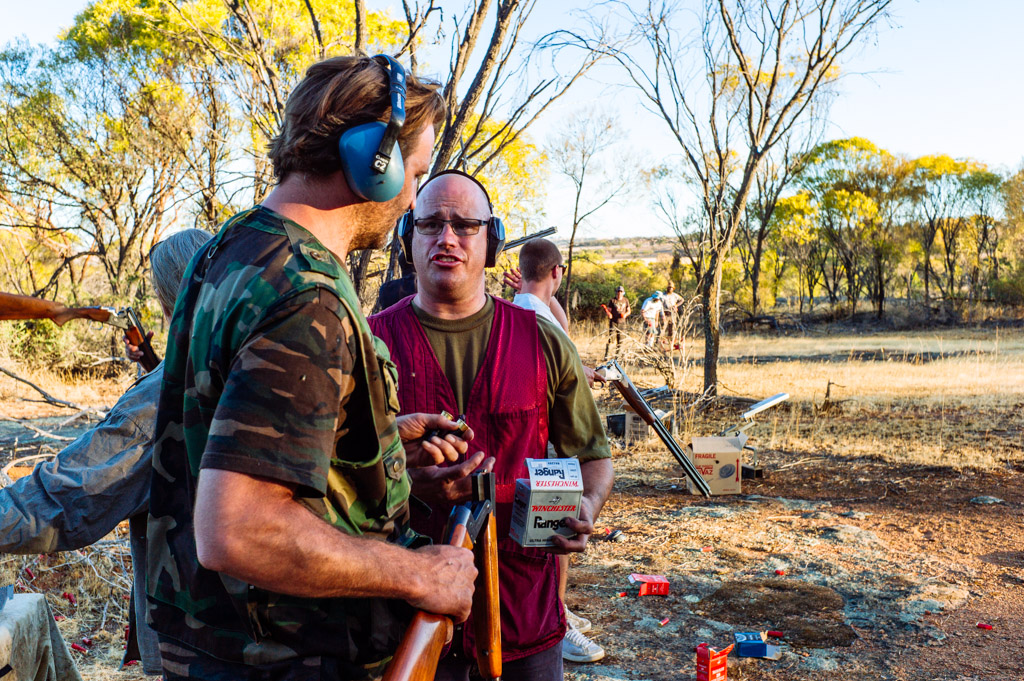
507,409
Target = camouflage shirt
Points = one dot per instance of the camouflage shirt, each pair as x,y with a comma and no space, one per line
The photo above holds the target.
272,371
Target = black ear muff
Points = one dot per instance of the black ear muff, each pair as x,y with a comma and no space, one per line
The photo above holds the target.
495,240
405,228
370,157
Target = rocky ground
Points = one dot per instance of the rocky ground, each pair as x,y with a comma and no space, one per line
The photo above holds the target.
870,570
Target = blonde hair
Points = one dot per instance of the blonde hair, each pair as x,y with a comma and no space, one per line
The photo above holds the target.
168,260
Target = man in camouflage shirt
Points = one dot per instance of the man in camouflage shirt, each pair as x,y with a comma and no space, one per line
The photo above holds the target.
279,498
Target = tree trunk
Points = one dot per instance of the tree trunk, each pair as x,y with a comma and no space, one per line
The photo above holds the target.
568,280
358,264
851,286
879,286
360,46
710,293
755,275
927,282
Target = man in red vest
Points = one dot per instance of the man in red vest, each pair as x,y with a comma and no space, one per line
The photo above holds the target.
519,382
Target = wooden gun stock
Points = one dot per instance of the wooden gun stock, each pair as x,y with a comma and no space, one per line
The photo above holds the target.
486,610
13,306
136,335
418,653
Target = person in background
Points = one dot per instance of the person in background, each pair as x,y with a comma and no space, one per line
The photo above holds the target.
651,312
618,311
537,279
671,302
102,478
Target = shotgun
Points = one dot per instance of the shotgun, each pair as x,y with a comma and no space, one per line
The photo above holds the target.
13,306
516,243
613,372
470,525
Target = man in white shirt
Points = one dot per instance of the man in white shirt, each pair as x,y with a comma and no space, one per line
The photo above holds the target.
542,269
651,311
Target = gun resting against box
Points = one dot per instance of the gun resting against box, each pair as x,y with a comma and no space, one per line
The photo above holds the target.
613,373
470,525
13,306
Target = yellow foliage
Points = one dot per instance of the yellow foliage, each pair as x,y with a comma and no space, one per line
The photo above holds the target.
515,179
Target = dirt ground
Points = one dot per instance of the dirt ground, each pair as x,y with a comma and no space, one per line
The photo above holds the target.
871,570
885,531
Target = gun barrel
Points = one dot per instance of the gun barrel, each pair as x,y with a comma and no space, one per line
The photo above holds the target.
529,237
637,402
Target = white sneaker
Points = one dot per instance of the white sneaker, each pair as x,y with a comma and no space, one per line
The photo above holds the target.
578,648
580,624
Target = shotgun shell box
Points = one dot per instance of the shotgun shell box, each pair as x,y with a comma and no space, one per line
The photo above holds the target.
755,644
542,502
712,665
650,585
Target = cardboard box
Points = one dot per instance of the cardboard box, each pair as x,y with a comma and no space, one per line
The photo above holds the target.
720,462
755,644
712,665
542,502
650,585
637,430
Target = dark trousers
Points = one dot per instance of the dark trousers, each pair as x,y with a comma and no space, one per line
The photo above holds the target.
181,663
543,666
614,326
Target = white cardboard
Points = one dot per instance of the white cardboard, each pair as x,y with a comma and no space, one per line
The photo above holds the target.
552,492
720,462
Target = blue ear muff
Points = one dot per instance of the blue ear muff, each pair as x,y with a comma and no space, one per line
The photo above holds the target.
495,240
358,148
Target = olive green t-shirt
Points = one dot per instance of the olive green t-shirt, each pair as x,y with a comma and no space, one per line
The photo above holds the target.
574,425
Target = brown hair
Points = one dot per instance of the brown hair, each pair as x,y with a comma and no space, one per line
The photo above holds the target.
538,258
339,93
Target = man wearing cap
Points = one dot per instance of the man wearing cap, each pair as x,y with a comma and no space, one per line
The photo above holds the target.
651,311
279,501
617,311
519,382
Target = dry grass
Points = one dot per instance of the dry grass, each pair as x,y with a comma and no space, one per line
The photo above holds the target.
962,411
954,398
98,581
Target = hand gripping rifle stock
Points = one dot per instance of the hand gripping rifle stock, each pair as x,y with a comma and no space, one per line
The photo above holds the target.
13,306
137,336
472,526
613,373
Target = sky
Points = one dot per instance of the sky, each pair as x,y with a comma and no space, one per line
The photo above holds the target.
945,76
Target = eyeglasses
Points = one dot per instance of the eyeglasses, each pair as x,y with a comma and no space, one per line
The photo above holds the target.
562,267
461,226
